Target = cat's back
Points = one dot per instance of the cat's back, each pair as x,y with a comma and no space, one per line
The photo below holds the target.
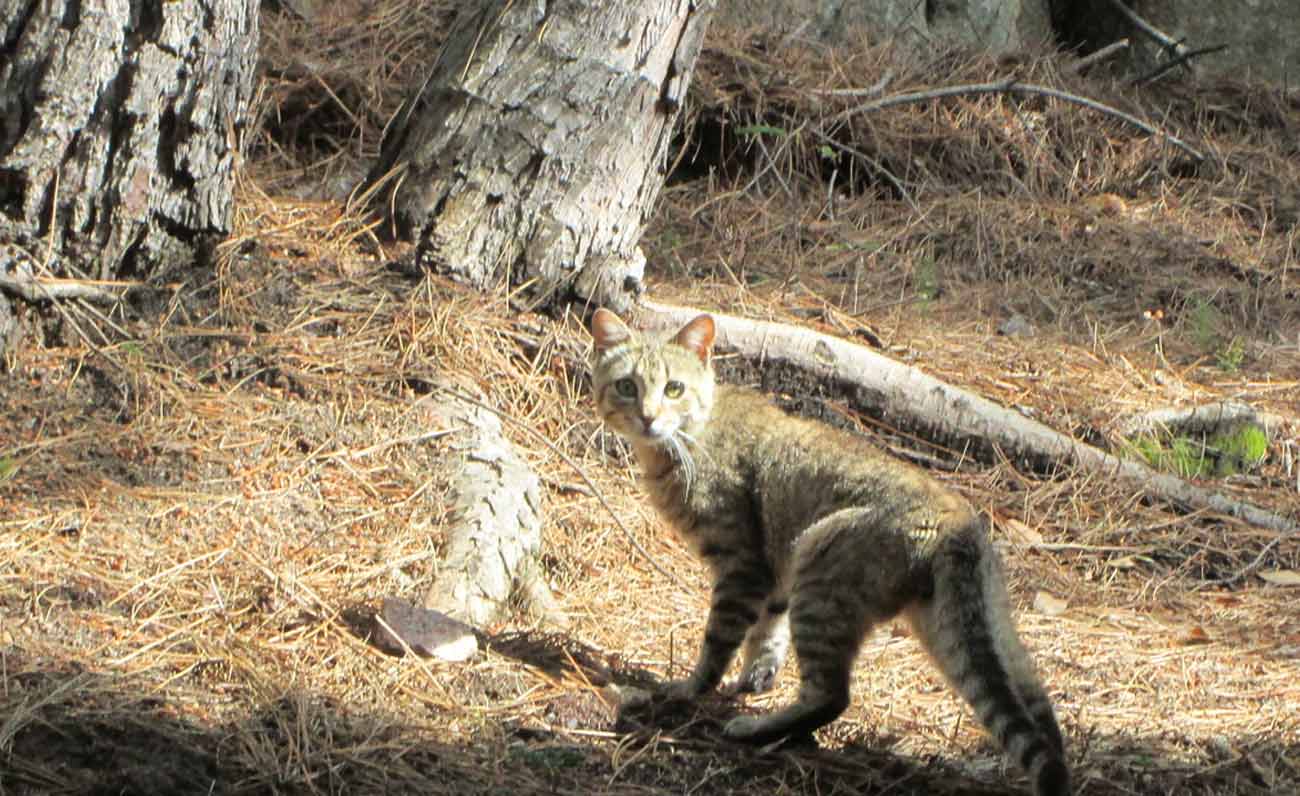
806,462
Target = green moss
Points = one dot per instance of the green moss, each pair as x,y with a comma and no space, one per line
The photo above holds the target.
1239,450
1232,451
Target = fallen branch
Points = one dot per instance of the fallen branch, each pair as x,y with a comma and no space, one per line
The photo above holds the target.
1207,418
1096,57
950,413
1012,86
1173,62
1168,43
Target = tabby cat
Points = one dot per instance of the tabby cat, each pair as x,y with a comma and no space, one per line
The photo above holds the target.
813,536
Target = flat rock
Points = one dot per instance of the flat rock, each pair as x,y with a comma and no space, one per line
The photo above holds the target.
425,631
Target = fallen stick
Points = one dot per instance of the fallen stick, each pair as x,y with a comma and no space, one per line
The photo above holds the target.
950,413
1174,47
1174,62
1012,86
1096,57
18,277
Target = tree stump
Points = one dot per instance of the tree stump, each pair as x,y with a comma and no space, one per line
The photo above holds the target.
535,150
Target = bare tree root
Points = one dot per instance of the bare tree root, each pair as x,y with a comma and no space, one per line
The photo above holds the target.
492,558
952,414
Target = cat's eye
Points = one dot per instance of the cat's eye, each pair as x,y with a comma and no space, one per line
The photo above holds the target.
625,388
674,389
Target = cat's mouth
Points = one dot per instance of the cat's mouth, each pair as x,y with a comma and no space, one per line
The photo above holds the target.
659,430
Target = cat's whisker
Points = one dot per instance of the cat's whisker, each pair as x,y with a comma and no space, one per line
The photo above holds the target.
684,458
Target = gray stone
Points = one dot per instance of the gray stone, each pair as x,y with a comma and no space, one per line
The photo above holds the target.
1263,36
994,25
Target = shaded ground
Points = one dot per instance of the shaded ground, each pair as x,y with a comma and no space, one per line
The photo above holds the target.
200,508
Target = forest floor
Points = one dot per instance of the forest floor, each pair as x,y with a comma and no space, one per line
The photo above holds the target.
206,492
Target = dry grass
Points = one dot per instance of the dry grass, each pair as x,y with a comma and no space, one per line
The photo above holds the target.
199,514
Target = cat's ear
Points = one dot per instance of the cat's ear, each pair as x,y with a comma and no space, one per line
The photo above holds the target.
697,337
608,330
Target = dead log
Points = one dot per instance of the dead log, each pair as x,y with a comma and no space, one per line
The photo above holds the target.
492,561
1204,419
957,417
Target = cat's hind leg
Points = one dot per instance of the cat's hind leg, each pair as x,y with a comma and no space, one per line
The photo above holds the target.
845,580
765,648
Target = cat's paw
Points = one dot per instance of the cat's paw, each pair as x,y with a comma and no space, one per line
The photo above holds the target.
756,679
681,690
759,730
742,728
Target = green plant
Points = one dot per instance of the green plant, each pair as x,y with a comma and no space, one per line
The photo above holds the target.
1230,355
1239,450
1205,324
753,130
1228,452
925,276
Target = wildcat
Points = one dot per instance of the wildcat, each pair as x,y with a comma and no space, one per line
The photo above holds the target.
813,537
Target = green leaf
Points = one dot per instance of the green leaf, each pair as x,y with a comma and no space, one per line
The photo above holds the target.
761,129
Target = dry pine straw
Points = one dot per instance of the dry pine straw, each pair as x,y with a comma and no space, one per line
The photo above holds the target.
195,523
201,518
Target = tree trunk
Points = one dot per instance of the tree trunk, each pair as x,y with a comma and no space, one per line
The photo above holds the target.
537,147
119,122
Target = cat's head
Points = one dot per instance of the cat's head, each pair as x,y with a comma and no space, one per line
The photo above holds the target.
652,389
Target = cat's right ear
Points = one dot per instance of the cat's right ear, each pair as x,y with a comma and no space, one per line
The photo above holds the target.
608,330
697,337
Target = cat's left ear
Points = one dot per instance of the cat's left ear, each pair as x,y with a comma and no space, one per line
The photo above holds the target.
608,330
697,337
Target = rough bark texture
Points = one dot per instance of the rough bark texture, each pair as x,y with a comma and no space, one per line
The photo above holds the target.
118,126
959,418
496,537
539,143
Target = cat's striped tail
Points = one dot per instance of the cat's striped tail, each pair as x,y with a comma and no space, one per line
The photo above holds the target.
967,628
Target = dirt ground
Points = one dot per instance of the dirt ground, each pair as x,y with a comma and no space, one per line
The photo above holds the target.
205,493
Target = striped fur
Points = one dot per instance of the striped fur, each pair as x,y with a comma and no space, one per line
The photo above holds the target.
813,537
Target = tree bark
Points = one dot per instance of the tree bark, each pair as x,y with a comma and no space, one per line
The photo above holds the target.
119,123
536,149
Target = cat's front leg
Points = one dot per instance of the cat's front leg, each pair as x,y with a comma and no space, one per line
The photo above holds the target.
738,596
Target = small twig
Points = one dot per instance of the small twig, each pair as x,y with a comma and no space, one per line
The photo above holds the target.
1094,58
1168,43
18,277
53,289
875,164
873,90
1170,64
564,457
1259,559
1010,85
